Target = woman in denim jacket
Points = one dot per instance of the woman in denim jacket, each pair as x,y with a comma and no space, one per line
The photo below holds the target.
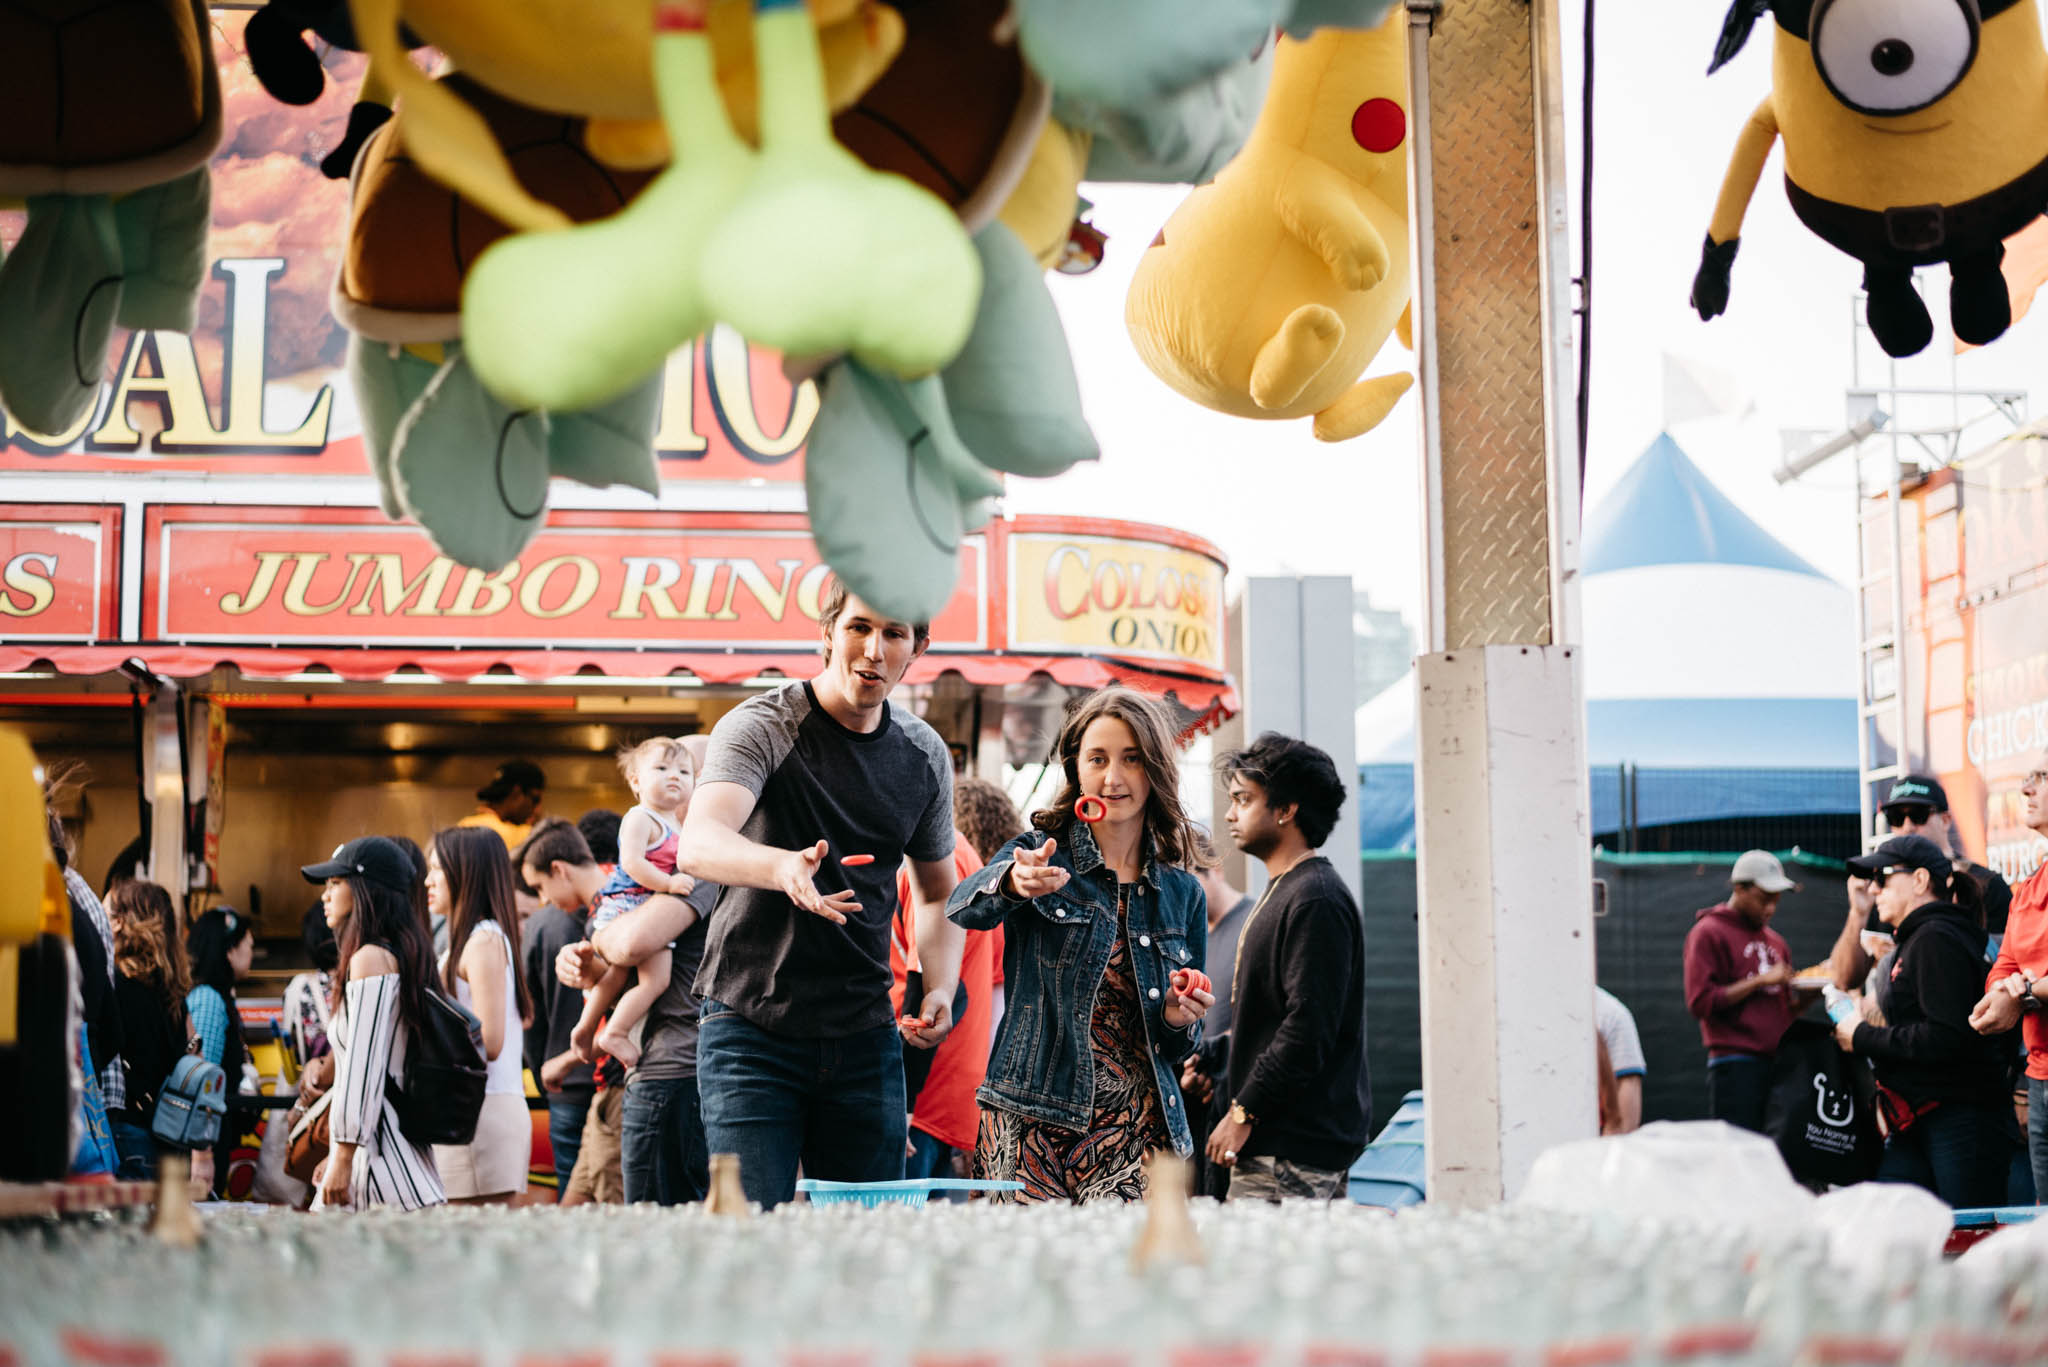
1104,937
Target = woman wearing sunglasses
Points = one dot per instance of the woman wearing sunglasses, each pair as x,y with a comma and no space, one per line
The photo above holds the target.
1943,1090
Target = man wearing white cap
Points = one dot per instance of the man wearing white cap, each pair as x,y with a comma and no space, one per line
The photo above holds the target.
1738,975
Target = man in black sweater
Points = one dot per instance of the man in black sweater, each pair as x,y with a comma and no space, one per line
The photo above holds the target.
1300,1112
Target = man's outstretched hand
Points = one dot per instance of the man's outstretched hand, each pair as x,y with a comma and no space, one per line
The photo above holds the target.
797,879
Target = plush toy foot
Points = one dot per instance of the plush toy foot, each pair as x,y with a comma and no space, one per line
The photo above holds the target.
879,478
59,294
823,255
163,252
280,58
387,381
1011,390
1295,355
610,445
1979,304
571,319
1897,317
1361,408
471,471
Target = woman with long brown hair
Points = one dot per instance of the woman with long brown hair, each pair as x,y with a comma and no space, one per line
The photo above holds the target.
150,983
380,1000
1105,933
469,881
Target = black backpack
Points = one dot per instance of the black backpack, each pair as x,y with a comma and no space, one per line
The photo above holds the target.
444,1075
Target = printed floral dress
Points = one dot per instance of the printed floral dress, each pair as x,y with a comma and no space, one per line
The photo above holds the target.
1105,1161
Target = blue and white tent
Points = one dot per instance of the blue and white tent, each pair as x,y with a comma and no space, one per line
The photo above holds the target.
1710,646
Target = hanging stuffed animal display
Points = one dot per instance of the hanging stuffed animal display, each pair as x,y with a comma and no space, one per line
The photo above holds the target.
1269,291
112,112
1915,134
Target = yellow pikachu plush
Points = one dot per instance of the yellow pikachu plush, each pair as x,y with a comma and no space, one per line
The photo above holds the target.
1272,288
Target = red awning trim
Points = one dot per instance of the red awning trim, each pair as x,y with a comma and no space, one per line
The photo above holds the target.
1199,695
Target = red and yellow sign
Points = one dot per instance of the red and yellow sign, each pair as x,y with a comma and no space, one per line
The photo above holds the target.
657,581
1112,594
58,573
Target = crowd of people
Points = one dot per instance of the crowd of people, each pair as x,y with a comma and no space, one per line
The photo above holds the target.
808,944
1937,985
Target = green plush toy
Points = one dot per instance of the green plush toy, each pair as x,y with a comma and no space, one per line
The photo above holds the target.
85,265
112,112
1131,54
482,512
1011,392
897,471
891,489
822,255
1183,138
576,317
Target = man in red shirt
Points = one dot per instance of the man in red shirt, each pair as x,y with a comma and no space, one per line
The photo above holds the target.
1738,976
943,1115
2016,992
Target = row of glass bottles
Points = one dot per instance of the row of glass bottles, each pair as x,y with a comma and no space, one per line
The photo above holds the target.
831,1286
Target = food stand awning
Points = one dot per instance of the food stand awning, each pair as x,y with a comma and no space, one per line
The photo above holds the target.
305,594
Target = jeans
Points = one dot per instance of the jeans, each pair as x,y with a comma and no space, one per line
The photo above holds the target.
930,1157
661,1142
137,1148
2037,1134
566,1114
835,1105
1738,1087
1958,1151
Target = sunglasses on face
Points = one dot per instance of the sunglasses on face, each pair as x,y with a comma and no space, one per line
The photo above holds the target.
2035,779
1899,816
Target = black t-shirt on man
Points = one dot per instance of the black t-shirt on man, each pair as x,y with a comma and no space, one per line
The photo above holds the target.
886,793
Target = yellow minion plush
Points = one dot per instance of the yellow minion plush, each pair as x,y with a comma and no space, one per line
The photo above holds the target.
1915,132
1272,288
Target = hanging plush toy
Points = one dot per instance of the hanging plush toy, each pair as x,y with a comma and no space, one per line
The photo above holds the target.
1131,53
1269,291
1916,133
113,112
472,471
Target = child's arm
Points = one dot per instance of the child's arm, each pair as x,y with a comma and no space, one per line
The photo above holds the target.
635,834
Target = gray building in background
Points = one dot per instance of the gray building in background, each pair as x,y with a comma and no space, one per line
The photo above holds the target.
1383,647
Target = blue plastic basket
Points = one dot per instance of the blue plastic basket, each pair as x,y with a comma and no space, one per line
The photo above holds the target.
914,1191
1393,1170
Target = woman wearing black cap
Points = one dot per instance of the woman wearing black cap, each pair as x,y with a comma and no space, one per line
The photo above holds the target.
380,995
1943,1092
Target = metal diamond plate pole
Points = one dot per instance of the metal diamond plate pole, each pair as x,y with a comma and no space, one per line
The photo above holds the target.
1501,796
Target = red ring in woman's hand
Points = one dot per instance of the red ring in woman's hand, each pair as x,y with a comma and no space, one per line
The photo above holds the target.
1100,808
1190,980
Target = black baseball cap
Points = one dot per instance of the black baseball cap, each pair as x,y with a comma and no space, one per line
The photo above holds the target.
513,773
1904,852
375,857
1916,790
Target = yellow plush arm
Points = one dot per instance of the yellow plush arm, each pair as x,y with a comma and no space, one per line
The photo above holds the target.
449,140
1320,206
1745,168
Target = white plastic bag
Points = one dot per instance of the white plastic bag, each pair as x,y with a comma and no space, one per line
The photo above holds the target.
1702,1172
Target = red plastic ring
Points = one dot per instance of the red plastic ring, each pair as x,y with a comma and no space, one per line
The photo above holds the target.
1082,807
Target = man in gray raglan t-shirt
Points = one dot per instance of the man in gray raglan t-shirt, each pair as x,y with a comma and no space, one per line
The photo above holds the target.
809,802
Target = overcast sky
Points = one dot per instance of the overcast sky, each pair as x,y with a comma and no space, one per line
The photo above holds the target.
1278,501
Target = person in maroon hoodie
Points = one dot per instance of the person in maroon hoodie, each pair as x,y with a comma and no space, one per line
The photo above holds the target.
1738,976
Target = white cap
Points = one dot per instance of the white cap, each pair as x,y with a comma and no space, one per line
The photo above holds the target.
1762,868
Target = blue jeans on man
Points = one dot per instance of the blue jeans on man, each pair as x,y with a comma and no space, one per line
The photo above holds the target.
566,1113
662,1154
834,1105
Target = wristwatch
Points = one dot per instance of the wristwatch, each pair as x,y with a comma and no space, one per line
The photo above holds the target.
2029,1002
1240,1116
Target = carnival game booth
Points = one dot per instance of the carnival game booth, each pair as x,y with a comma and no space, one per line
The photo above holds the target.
298,675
